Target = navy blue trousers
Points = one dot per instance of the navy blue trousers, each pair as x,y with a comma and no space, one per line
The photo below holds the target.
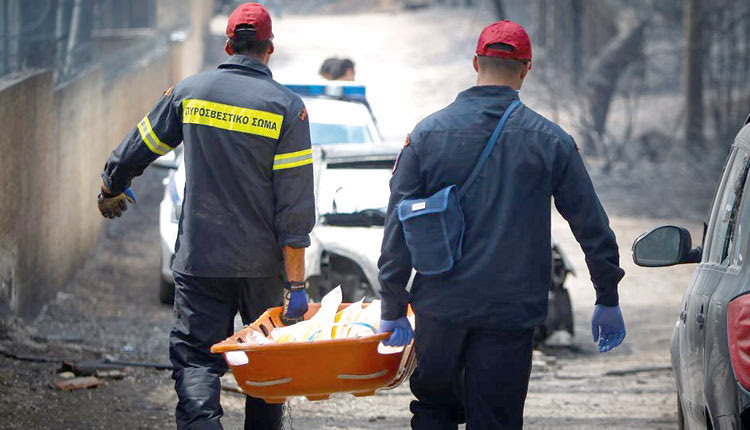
204,311
475,376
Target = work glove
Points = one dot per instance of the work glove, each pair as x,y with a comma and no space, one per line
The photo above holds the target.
401,331
607,327
113,205
295,303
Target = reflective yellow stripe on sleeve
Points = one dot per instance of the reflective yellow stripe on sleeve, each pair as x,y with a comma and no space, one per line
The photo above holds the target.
149,138
292,159
233,118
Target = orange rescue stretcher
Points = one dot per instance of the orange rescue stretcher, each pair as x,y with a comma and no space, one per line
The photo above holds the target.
315,369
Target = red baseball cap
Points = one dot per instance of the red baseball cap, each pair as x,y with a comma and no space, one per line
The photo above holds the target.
250,14
508,33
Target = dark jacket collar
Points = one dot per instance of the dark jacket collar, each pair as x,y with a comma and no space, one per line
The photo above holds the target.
488,91
245,63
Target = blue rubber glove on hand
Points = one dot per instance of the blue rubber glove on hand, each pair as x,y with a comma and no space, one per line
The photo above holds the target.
295,303
607,327
401,330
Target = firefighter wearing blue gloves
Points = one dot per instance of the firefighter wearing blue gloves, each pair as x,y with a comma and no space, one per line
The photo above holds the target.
475,319
247,212
607,327
400,329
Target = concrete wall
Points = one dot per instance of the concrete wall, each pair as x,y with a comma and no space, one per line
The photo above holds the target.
25,112
53,145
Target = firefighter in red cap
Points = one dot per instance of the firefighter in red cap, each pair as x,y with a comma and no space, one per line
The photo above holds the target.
247,212
477,304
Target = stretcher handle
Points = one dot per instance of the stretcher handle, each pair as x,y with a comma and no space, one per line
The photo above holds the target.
373,375
268,383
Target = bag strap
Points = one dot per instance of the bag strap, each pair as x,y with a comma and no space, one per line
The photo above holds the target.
488,147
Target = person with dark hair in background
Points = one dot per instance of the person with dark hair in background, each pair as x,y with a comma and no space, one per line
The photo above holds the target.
247,212
337,69
475,317
325,68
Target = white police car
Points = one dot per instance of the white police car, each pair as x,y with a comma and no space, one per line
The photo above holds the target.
351,198
339,115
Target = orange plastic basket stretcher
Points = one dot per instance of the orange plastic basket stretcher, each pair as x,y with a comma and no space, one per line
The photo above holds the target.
315,369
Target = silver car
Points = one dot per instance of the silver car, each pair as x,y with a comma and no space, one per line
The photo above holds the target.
710,345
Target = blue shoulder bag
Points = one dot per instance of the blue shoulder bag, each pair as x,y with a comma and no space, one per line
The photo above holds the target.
434,226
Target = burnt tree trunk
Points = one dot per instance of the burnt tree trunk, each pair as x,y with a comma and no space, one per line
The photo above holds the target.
499,9
601,83
541,23
693,75
577,51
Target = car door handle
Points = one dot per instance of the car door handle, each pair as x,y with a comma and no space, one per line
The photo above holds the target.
701,320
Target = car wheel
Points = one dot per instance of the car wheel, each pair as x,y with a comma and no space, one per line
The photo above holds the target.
338,270
317,287
564,310
559,318
540,333
353,288
166,291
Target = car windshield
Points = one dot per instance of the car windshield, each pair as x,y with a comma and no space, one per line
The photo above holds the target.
326,134
353,190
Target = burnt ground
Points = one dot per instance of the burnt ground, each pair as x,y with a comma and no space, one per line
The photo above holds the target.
110,309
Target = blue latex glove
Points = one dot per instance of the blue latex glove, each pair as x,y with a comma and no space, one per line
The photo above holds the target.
402,332
295,304
607,327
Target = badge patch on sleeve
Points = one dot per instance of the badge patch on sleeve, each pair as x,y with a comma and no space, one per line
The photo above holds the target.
169,90
407,143
303,114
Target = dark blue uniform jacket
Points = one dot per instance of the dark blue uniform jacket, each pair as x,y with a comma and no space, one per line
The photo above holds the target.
503,278
249,179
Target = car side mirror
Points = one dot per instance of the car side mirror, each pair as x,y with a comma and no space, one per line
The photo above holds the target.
665,246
